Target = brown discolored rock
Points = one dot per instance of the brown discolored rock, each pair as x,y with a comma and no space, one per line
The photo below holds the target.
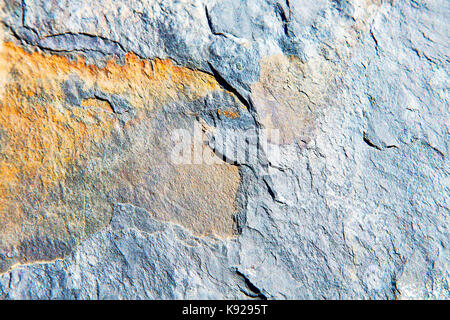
289,94
76,139
292,92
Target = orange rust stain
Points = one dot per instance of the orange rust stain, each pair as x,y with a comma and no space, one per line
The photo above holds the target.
43,138
229,113
145,83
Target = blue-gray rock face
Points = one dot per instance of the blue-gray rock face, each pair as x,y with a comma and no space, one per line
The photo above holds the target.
357,207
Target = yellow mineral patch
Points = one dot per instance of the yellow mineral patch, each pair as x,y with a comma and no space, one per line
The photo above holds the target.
62,166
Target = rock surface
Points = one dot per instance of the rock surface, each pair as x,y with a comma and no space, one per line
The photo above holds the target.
356,206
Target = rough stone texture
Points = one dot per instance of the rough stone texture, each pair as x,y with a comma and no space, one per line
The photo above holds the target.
357,206
78,139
